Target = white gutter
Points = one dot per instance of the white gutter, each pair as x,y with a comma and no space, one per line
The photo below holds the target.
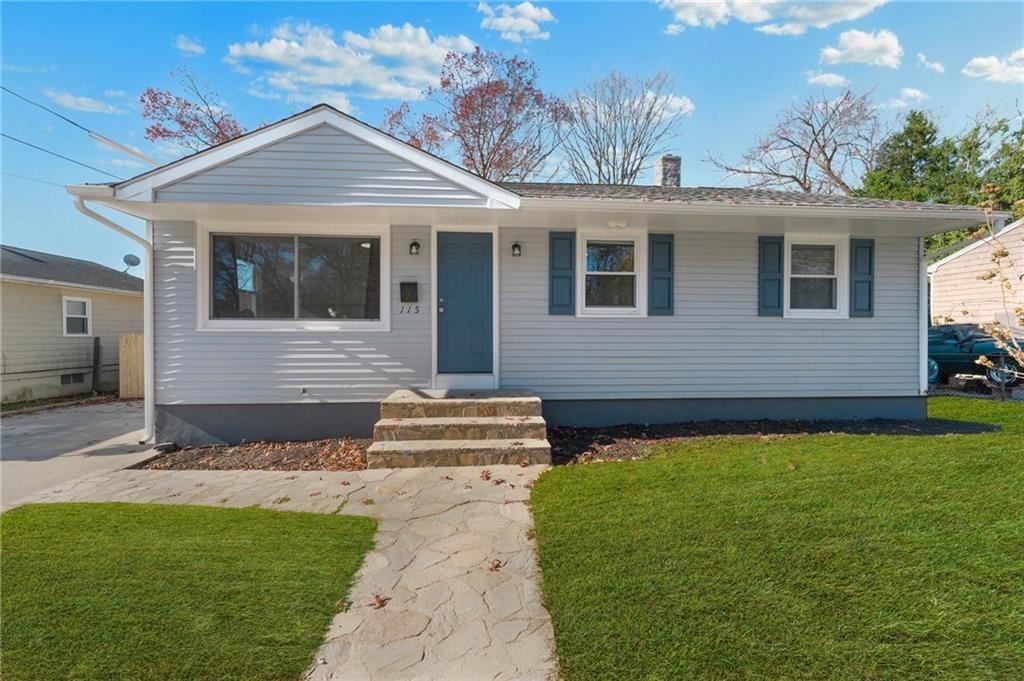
147,305
923,306
968,215
56,283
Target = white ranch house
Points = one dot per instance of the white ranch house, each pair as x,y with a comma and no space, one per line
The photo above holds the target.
303,272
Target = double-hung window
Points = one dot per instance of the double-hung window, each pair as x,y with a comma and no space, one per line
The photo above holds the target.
77,316
271,280
816,277
613,273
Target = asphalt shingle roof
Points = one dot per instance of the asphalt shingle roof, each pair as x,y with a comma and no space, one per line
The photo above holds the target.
711,195
22,262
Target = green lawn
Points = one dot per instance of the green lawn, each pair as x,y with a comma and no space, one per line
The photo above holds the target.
818,556
132,591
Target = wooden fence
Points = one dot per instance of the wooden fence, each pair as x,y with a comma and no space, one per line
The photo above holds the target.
131,371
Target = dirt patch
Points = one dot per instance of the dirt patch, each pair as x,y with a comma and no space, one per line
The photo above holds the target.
344,454
629,442
30,406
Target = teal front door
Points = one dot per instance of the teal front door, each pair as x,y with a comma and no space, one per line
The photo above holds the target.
465,311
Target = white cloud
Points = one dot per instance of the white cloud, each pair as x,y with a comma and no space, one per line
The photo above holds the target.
87,104
189,47
913,94
306,63
674,29
1009,70
126,163
787,18
517,23
17,68
677,105
933,65
115,94
825,79
881,48
894,103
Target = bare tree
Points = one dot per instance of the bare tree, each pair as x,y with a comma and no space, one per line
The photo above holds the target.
818,145
618,124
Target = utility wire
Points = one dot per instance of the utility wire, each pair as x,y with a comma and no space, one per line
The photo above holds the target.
44,108
32,179
92,133
62,156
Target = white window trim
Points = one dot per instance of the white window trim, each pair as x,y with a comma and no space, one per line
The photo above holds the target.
204,265
65,316
639,239
842,245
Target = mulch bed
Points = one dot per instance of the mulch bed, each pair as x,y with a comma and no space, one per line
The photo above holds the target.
340,454
568,445
629,442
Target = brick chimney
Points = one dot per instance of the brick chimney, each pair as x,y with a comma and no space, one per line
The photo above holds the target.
667,170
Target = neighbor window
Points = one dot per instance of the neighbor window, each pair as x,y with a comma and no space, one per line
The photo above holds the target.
611,273
77,316
296,277
815,283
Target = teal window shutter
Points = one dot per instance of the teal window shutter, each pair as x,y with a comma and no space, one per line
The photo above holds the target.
862,277
659,274
769,276
562,273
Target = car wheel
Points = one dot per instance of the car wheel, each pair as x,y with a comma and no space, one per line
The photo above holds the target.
933,371
1003,373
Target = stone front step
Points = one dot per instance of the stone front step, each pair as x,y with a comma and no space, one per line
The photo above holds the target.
404,404
461,428
420,453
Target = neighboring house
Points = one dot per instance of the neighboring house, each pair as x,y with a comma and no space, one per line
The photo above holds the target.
51,310
304,271
958,295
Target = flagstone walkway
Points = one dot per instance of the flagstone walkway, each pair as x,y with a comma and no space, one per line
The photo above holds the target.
453,557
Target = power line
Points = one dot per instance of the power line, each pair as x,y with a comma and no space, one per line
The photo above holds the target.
62,156
32,179
44,108
92,133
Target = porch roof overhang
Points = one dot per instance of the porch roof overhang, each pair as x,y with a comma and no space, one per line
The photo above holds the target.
568,213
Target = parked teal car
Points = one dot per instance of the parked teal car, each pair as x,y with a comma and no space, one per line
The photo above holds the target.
955,348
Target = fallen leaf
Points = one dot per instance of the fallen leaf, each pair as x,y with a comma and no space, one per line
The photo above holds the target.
495,565
379,601
485,474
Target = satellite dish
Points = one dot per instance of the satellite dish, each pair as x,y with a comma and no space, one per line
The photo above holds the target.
131,260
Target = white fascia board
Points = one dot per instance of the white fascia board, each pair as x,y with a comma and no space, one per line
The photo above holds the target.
66,284
969,216
970,247
144,187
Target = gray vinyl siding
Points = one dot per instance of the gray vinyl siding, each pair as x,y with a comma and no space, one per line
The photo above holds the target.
714,345
321,166
248,367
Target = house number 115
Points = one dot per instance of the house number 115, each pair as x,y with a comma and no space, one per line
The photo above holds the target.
409,309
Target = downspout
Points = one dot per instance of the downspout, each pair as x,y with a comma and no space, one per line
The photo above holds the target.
147,312
924,300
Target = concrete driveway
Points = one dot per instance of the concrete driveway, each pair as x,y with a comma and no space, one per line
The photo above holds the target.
45,448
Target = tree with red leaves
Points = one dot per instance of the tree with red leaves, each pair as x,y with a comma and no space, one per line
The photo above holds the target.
196,120
491,117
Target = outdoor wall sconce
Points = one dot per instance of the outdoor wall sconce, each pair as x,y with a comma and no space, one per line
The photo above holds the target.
414,248
517,249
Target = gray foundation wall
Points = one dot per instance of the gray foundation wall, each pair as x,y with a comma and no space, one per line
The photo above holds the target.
208,424
214,424
595,413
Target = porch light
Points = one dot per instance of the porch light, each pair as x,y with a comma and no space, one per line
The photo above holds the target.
517,249
414,248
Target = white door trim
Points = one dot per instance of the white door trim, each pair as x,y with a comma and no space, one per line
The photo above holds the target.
467,381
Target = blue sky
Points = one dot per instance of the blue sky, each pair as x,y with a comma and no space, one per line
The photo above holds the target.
737,63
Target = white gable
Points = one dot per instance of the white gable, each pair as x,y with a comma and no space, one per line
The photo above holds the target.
321,166
319,157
